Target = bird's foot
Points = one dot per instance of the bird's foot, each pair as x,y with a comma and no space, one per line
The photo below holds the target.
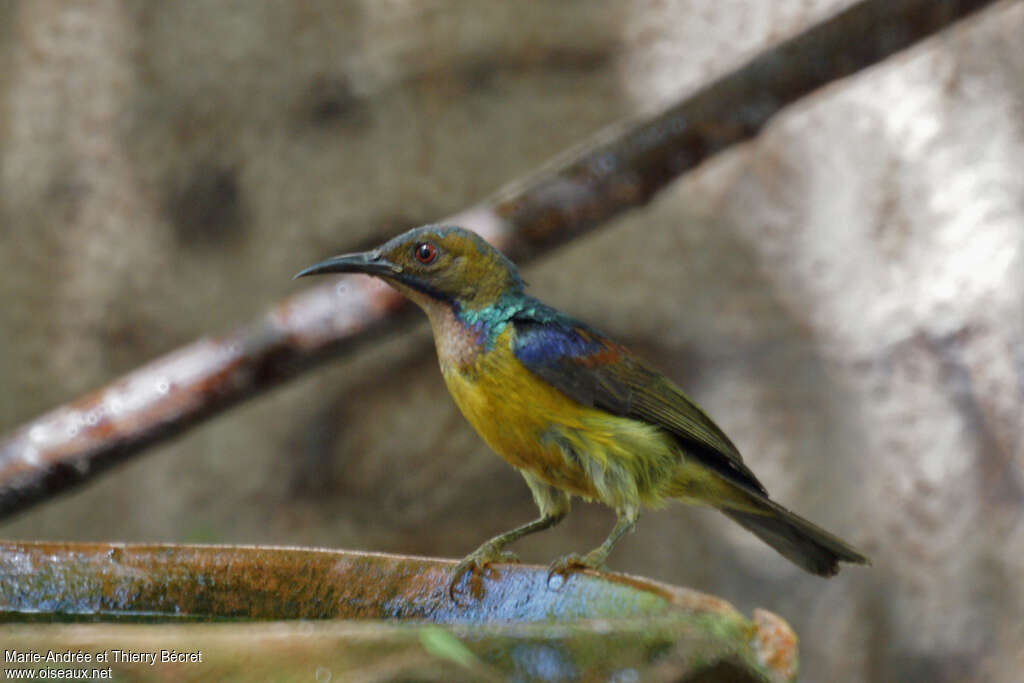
559,570
477,563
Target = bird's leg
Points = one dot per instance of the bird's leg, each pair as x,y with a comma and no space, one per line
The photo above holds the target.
554,506
595,559
493,550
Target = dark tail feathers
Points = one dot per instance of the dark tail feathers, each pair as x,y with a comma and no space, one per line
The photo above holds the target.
804,544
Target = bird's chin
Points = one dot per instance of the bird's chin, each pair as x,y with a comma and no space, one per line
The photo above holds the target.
421,299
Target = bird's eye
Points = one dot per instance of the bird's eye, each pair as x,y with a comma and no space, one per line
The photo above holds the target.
425,252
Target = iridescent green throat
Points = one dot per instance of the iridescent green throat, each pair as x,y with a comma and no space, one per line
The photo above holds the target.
489,322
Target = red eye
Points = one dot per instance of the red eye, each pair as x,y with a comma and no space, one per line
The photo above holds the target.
425,252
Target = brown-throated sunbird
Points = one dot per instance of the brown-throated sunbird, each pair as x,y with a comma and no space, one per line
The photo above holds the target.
576,413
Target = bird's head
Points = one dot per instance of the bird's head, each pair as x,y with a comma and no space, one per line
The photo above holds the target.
434,265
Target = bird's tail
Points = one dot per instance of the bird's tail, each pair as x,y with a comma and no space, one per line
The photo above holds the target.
804,544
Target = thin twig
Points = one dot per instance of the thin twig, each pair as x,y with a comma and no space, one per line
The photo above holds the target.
622,168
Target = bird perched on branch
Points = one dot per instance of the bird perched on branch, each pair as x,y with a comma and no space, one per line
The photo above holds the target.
576,413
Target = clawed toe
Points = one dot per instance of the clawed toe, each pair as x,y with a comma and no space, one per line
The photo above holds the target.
575,562
479,561
565,564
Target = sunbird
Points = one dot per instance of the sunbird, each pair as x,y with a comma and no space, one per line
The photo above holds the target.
575,412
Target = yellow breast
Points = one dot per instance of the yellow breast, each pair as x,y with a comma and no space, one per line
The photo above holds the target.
511,408
534,426
583,450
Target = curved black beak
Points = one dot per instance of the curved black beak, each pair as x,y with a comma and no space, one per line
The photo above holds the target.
368,262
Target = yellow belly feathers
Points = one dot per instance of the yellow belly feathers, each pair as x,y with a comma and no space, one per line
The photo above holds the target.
585,451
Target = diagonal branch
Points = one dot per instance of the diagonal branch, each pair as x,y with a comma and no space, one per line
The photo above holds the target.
621,168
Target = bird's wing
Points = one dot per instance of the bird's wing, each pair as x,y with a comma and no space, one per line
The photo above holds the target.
597,372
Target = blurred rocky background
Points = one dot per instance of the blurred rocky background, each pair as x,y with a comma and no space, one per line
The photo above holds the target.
845,294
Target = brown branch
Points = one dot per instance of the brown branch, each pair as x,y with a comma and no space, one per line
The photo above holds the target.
622,168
